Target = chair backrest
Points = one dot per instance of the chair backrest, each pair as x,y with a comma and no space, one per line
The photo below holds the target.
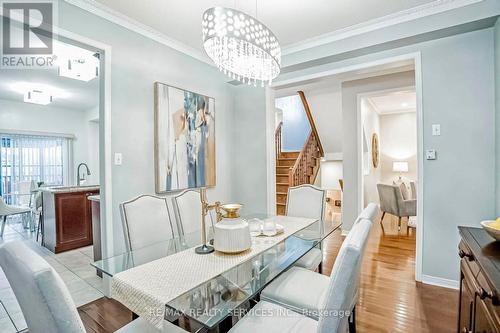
305,201
3,207
369,213
45,301
413,186
187,209
146,220
24,193
390,197
343,280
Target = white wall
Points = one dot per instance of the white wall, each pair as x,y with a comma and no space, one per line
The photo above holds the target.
248,157
137,62
398,134
326,109
330,173
371,175
351,142
45,118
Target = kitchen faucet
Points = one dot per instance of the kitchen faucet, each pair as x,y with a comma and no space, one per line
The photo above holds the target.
78,179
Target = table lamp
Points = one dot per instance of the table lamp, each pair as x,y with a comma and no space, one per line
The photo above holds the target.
400,167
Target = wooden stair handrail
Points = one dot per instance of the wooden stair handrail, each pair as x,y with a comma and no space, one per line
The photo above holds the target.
298,172
311,122
277,139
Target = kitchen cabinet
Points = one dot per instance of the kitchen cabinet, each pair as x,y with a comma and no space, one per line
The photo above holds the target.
67,218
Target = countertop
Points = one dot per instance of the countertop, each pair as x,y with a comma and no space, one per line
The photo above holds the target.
69,189
96,198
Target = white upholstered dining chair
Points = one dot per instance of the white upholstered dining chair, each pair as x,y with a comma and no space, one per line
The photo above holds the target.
307,201
305,291
146,220
44,299
187,209
337,296
9,210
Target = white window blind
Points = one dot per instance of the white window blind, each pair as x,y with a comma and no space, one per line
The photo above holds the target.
26,158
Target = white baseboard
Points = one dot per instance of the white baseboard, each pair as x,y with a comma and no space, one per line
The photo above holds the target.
440,282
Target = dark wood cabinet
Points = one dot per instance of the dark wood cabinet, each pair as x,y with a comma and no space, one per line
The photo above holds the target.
67,220
479,305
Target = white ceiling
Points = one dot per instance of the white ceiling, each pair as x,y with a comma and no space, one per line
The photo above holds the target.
292,21
394,102
67,93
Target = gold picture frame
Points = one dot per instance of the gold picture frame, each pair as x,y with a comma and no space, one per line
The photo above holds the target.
375,151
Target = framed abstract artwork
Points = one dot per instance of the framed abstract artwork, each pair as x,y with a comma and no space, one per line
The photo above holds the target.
184,139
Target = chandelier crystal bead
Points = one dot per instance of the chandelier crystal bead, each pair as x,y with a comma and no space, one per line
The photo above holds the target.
241,46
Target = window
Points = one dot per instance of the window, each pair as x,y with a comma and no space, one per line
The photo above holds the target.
26,158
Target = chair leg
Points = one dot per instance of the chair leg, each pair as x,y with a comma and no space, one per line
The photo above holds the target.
352,321
38,227
399,223
3,225
382,218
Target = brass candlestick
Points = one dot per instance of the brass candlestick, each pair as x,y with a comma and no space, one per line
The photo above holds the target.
205,208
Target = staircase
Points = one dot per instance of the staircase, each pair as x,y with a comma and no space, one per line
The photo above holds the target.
298,167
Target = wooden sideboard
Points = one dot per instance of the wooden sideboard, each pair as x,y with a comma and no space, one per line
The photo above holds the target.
479,305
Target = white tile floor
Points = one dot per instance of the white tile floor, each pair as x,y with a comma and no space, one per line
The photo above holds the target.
73,266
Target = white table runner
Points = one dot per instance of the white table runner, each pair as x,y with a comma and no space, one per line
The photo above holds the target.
146,289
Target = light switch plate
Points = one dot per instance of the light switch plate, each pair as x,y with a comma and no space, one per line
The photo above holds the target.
118,158
436,129
430,154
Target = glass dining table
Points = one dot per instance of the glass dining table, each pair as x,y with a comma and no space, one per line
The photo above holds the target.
209,304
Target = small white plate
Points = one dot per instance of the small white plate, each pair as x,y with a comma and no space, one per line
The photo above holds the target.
279,230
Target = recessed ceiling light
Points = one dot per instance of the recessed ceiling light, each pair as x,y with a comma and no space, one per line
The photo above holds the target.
76,63
38,93
404,105
37,97
83,69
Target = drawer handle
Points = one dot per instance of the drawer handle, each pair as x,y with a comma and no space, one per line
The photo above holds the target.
462,253
484,294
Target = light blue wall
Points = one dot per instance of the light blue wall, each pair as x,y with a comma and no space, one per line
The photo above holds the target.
137,62
497,94
458,93
296,127
249,149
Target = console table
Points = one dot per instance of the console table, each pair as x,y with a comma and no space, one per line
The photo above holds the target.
479,305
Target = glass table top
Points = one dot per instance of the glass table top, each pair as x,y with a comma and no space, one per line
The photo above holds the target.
213,301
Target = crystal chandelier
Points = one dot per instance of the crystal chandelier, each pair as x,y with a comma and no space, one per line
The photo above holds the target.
241,47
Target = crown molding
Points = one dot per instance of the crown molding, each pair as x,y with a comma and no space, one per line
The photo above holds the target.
116,17
435,7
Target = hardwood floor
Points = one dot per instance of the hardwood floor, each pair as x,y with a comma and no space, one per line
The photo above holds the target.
390,299
104,315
